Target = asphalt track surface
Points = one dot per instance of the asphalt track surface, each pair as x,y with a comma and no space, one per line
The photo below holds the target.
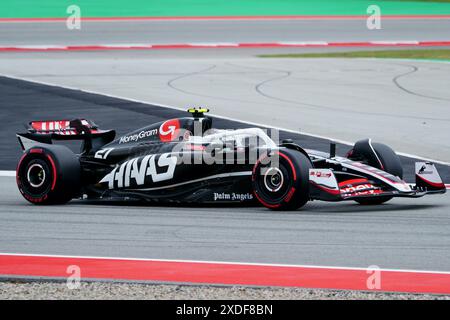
163,32
404,233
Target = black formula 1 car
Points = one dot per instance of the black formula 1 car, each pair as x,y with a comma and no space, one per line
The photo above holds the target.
185,160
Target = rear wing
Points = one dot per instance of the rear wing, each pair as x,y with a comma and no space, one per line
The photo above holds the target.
46,131
62,127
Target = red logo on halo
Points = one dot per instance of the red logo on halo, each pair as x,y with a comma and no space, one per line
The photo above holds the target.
169,130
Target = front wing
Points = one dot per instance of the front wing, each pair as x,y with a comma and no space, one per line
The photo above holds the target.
325,186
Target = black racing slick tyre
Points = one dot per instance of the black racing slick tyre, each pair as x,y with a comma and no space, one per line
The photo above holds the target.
379,156
48,175
281,179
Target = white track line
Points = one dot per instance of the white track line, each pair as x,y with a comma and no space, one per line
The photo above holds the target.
221,117
218,262
7,173
148,46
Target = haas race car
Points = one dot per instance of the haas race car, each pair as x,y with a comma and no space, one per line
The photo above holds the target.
185,160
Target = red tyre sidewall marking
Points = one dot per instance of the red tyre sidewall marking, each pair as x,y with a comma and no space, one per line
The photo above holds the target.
53,171
290,163
289,195
291,191
265,204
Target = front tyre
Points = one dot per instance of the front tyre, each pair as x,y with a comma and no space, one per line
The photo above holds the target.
379,156
48,175
281,179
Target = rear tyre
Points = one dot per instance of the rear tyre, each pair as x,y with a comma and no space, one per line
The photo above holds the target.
48,175
283,185
379,156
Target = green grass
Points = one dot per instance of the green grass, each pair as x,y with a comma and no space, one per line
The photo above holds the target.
429,54
423,0
161,8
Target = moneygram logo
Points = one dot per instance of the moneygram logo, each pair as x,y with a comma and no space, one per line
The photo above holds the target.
138,136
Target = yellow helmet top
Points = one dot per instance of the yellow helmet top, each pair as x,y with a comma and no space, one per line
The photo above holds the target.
198,110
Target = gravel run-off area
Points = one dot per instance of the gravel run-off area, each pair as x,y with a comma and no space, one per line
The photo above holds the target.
49,290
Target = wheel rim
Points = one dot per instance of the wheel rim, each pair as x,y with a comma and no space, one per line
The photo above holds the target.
273,179
35,178
36,175
273,183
